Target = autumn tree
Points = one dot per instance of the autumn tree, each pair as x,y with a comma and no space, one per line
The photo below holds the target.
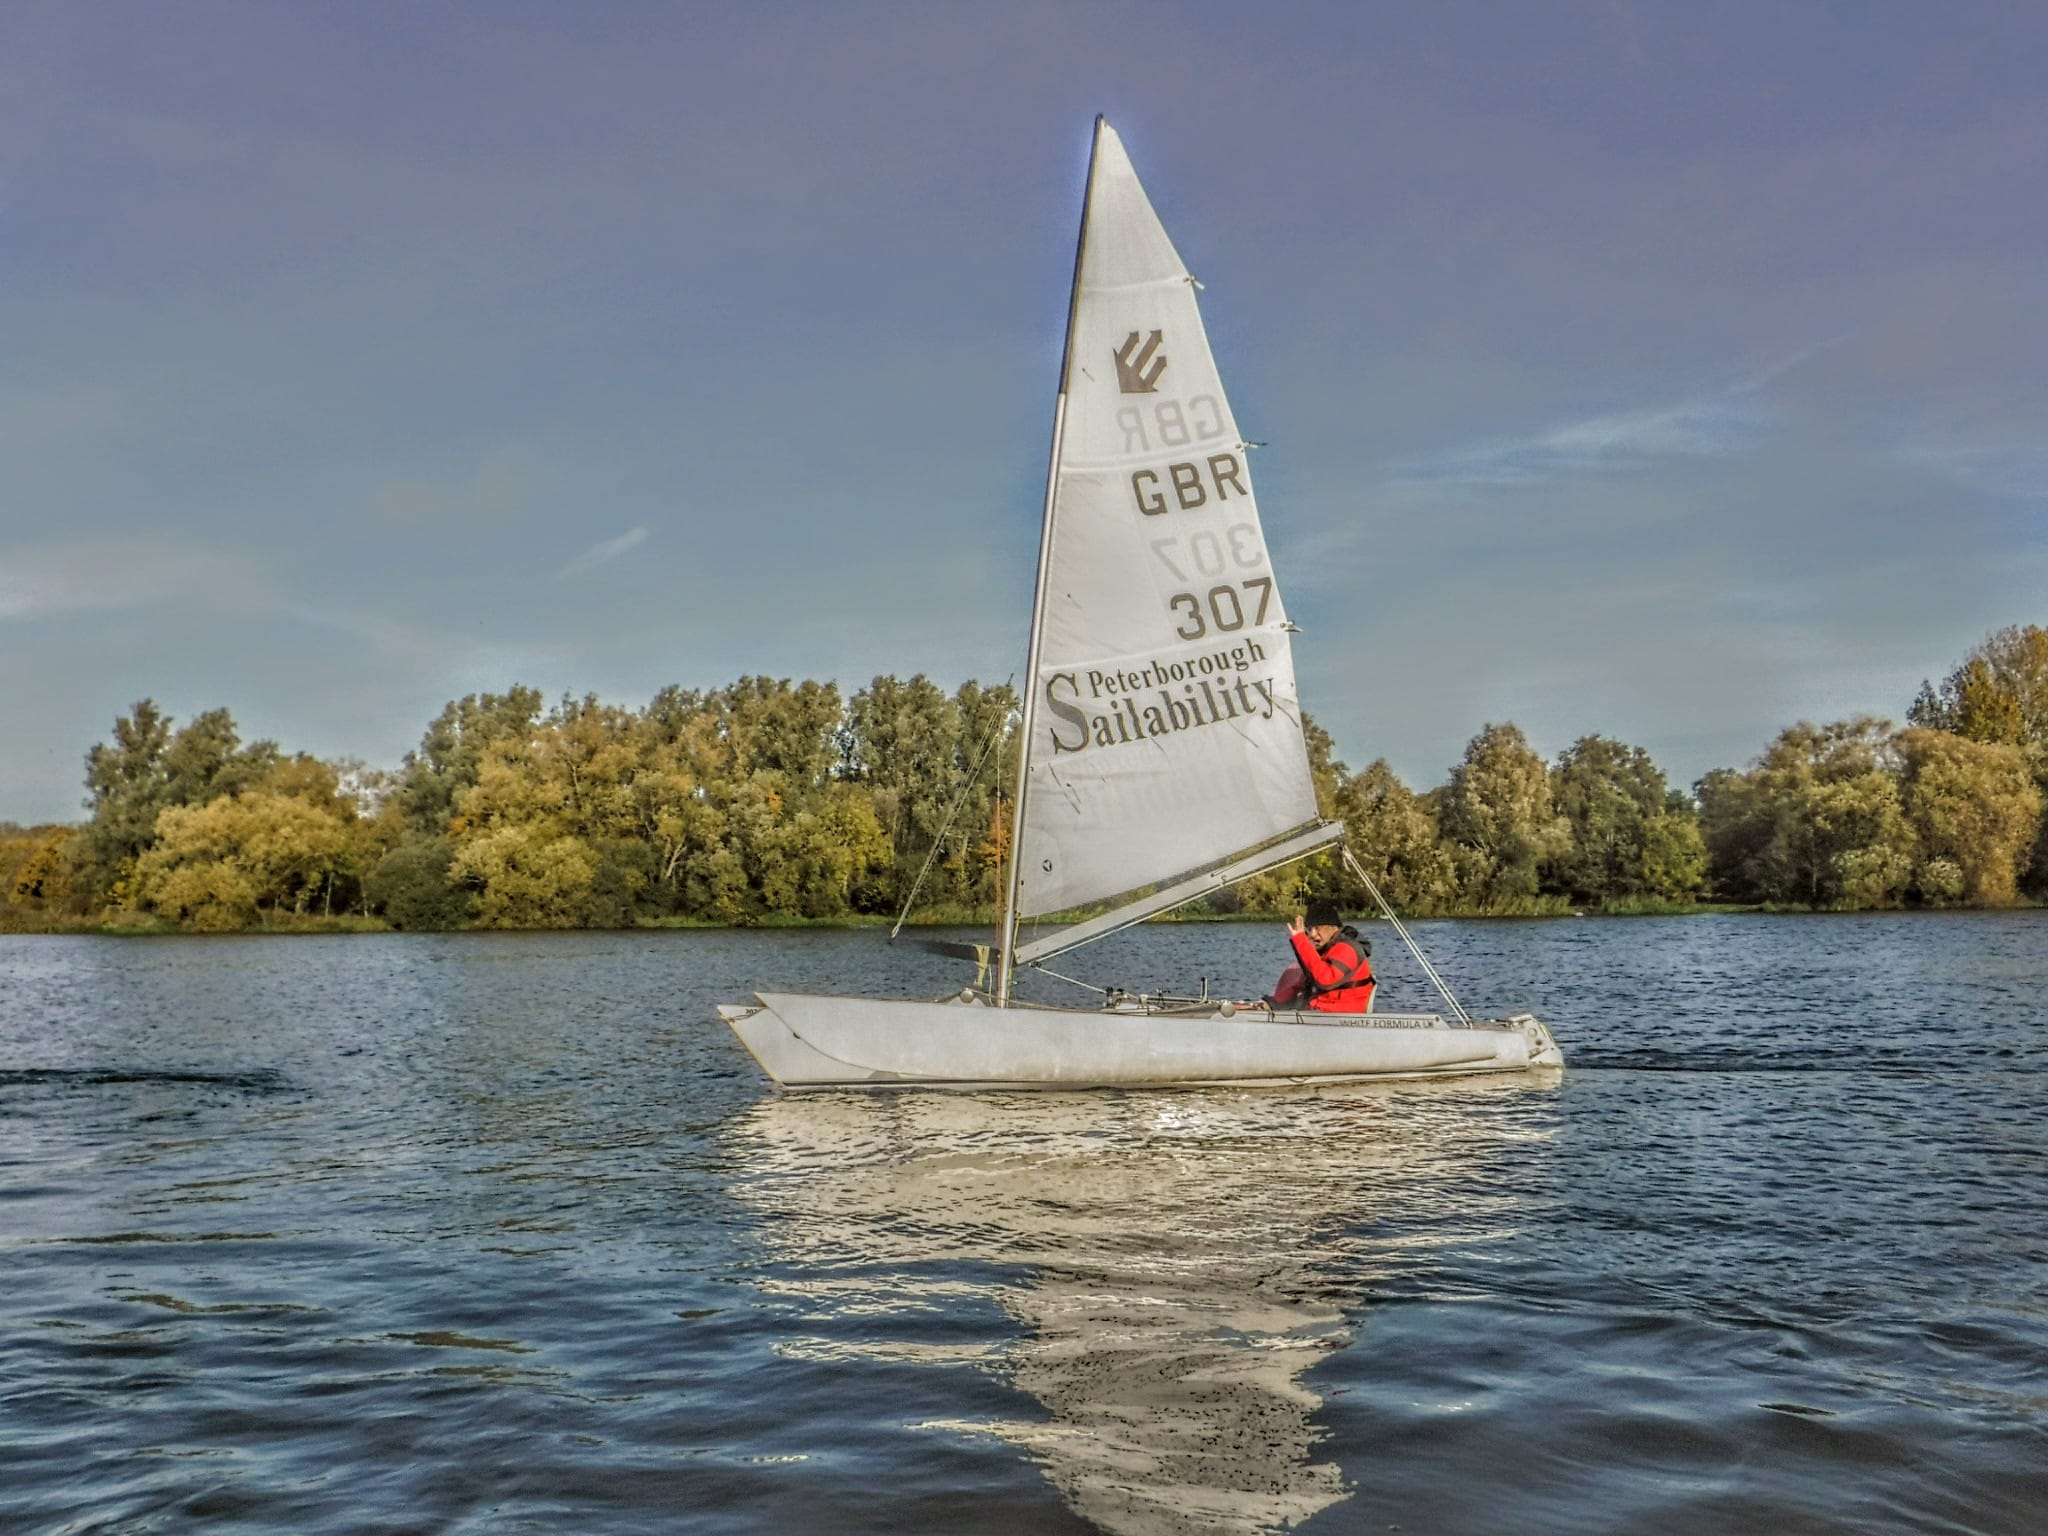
273,849
411,884
525,876
35,872
449,756
990,752
1999,694
529,830
724,804
1974,809
147,768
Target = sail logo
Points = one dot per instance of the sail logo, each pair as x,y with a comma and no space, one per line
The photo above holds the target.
1139,363
1135,704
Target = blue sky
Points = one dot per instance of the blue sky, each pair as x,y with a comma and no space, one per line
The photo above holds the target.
1669,371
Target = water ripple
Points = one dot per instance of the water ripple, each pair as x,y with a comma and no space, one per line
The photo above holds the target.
505,1234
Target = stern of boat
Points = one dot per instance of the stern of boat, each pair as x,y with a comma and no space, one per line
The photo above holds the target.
1543,1046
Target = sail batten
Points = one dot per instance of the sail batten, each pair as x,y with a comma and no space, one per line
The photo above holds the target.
1164,730
1144,283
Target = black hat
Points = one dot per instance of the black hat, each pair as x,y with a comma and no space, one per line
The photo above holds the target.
1322,914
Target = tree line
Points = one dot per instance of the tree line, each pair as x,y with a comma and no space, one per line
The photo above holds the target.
771,799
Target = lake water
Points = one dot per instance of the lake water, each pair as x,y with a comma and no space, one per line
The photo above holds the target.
497,1234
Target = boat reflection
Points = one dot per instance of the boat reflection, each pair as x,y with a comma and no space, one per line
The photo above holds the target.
1178,1261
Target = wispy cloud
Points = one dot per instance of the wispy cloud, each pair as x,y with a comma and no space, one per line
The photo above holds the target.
1695,429
98,575
498,485
602,552
2018,470
1719,424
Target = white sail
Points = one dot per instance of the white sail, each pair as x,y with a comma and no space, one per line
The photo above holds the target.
1166,733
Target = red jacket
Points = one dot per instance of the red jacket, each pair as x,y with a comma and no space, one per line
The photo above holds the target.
1343,968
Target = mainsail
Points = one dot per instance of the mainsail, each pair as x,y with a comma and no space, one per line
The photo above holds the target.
1164,733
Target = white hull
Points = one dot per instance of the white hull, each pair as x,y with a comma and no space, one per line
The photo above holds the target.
852,1042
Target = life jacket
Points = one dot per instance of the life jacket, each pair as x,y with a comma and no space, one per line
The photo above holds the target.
1350,989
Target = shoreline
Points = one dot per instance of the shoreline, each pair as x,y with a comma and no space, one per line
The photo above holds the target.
328,926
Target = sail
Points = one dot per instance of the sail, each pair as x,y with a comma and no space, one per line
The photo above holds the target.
1165,730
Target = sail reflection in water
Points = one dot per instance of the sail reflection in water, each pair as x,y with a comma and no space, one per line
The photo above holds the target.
1179,1261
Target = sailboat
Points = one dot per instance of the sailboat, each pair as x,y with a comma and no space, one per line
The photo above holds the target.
1164,756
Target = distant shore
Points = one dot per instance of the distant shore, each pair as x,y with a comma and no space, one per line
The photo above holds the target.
776,803
312,925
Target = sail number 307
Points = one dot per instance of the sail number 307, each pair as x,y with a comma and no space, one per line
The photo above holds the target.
1228,606
1221,608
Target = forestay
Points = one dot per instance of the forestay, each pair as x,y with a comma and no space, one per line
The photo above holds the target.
1166,732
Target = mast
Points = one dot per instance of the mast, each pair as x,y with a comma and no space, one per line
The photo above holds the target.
1052,480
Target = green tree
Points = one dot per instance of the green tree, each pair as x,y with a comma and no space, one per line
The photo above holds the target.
206,759
1629,835
125,780
410,881
1498,816
763,752
1674,853
1393,834
933,766
817,857
902,740
1735,831
1818,821
449,755
411,886
1286,889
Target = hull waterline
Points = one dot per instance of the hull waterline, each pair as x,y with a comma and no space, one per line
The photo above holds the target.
805,1041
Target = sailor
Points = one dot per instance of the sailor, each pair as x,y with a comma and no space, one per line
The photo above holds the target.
1333,973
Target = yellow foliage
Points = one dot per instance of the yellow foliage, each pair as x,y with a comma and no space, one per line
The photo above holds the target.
525,877
44,875
1974,808
224,863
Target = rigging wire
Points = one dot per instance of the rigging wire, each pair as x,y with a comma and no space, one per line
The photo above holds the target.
995,735
1086,986
1351,863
